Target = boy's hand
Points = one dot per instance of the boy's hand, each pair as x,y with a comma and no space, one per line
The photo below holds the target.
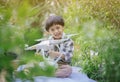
53,54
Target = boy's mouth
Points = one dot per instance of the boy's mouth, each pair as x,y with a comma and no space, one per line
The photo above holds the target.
58,34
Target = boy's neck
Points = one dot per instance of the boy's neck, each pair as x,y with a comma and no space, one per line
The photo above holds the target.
57,38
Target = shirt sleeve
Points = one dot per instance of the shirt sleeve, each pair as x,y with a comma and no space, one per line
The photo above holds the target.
67,50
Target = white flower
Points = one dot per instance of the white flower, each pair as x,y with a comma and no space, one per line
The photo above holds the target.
93,53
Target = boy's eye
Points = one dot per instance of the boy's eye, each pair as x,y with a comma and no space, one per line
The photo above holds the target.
52,29
57,27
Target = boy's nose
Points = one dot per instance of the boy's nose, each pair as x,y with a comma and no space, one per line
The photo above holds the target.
56,31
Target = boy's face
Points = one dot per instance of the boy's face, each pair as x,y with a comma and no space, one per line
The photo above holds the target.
56,31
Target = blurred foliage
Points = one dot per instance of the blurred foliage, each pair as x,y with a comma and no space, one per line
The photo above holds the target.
96,21
31,72
43,69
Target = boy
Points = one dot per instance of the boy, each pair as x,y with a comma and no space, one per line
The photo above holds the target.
55,27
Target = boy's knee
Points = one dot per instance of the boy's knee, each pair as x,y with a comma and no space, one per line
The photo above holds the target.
63,71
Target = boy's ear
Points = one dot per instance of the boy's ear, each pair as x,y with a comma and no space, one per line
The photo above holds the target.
63,28
48,32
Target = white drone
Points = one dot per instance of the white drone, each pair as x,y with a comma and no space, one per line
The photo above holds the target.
45,45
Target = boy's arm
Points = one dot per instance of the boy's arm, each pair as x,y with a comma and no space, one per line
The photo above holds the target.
67,50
